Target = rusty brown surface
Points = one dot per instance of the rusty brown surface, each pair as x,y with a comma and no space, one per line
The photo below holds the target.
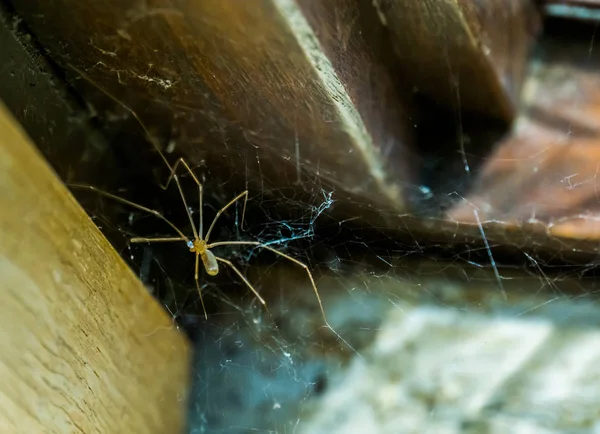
465,54
545,173
231,84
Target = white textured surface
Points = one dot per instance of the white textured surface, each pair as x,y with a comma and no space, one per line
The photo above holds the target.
435,370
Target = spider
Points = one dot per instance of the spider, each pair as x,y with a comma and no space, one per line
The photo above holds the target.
199,244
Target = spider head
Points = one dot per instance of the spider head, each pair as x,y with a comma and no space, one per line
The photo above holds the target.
197,246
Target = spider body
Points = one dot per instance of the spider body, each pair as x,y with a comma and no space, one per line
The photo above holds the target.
209,260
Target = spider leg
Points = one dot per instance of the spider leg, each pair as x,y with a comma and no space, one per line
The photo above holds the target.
156,146
198,286
222,210
132,204
173,176
302,264
149,136
288,257
239,273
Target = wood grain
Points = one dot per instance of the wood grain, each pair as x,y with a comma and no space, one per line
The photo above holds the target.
242,86
84,346
465,54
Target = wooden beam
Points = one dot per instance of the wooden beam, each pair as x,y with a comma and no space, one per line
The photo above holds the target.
84,346
463,54
249,87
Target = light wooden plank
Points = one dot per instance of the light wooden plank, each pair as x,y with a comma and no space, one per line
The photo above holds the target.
84,346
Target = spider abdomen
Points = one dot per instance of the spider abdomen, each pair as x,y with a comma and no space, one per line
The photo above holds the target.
210,263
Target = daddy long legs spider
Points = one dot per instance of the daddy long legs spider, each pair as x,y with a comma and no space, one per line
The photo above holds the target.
199,244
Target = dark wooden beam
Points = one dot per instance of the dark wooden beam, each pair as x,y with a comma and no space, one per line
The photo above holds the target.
468,55
252,85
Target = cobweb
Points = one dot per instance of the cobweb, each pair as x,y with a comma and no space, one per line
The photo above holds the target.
420,325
